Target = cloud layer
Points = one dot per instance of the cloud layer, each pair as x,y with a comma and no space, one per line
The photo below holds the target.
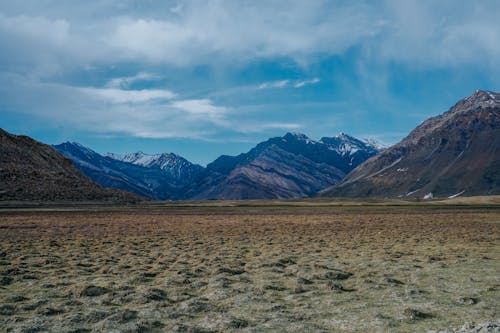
45,42
186,33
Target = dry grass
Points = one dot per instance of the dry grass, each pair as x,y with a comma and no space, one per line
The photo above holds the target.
248,270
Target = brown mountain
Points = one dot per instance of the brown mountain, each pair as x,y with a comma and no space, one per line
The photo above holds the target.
456,153
292,166
33,171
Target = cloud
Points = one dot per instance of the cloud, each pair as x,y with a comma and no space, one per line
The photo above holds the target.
58,35
300,84
138,113
74,63
199,107
128,96
127,81
443,35
287,83
274,84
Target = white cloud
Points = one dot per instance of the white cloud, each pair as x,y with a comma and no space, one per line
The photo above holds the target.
287,83
128,96
439,35
274,84
199,107
43,42
127,81
300,84
137,113
423,33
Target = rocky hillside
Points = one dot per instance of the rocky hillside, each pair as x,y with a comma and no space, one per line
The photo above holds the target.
456,153
291,166
32,171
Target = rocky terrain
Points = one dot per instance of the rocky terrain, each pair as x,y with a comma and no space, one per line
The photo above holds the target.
456,153
32,171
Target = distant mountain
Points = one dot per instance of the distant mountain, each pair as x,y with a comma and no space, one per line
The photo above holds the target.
291,166
175,166
149,182
33,171
456,153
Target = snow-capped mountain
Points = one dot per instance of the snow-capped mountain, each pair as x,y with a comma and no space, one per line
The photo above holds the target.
174,165
148,182
290,166
345,144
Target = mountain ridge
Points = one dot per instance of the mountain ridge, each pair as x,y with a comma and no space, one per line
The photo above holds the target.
450,154
290,166
151,183
174,165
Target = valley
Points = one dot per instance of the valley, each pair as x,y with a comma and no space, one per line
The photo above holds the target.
251,266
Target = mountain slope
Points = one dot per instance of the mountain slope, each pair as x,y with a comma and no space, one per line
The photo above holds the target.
291,166
148,182
32,171
456,153
175,166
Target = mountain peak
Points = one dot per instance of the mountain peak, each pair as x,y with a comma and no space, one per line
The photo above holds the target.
174,165
484,94
296,135
74,148
345,144
344,136
481,98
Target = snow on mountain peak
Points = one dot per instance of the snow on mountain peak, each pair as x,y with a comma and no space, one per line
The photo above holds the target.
345,144
374,143
172,164
147,160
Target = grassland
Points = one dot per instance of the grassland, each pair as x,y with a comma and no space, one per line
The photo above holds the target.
308,266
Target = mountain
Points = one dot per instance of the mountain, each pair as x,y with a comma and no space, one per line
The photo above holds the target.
291,166
456,153
175,166
148,182
33,171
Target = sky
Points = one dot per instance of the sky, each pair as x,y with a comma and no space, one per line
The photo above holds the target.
206,78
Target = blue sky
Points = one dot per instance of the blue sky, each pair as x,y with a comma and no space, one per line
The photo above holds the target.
205,78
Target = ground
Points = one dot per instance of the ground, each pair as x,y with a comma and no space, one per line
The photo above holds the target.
249,267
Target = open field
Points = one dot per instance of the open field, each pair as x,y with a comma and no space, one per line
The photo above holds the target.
250,267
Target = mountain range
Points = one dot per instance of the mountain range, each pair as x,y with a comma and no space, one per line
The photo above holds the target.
456,153
145,175
291,166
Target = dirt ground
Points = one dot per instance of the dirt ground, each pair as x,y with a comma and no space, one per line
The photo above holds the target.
249,270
